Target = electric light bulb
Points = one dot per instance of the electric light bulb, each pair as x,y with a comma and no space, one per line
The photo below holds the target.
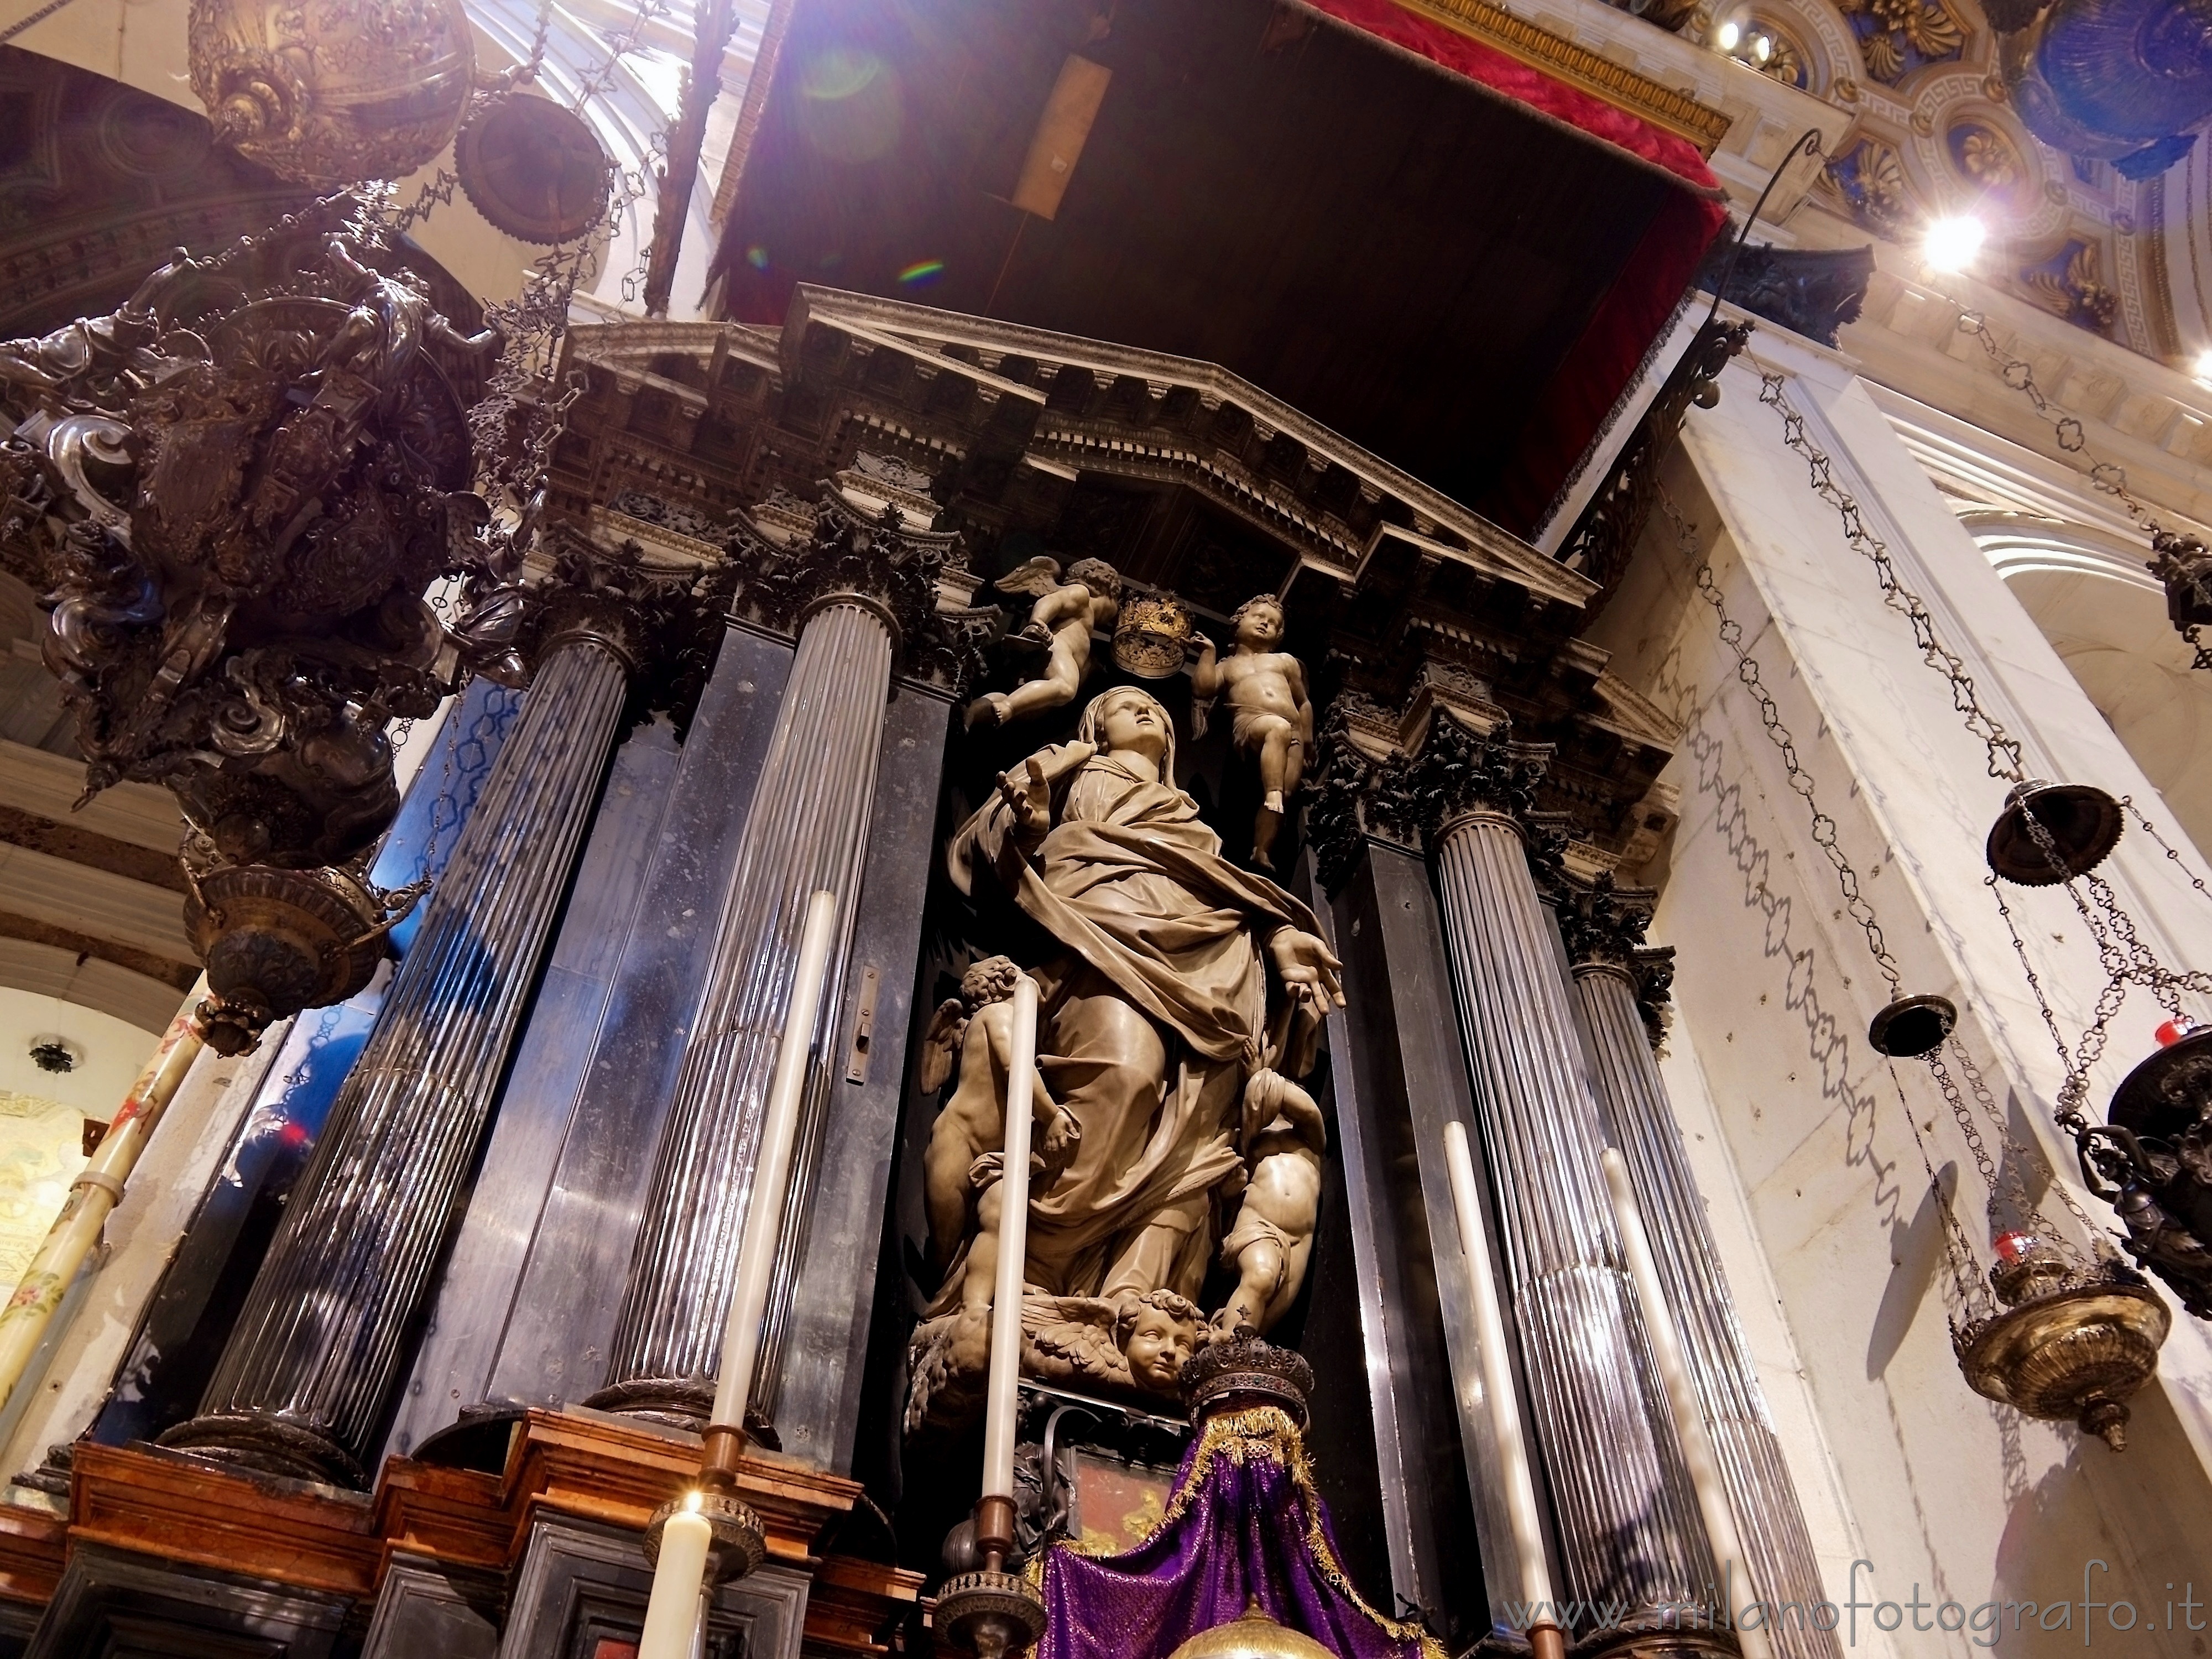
2202,370
1761,47
1952,243
1731,33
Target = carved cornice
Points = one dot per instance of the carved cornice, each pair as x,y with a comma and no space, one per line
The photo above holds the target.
1187,445
1040,436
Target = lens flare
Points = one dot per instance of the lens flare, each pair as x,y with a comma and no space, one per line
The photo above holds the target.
1952,243
921,273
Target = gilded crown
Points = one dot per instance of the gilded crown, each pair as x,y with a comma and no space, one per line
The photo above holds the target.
1246,1371
1152,636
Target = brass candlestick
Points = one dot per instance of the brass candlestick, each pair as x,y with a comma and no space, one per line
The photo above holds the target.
740,1538
992,1612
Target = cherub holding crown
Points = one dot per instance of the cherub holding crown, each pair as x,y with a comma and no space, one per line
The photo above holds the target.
1061,622
1271,712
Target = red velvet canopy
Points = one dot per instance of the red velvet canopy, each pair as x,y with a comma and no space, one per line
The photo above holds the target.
1602,365
1455,259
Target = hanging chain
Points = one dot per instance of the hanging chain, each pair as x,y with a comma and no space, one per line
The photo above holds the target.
2020,375
2007,1179
1970,1299
1970,1295
2143,822
2108,477
1986,1099
2005,757
2121,951
1800,780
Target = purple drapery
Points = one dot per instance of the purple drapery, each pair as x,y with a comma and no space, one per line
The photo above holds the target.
1244,1521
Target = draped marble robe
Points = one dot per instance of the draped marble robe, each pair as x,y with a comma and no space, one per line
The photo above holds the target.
1150,1021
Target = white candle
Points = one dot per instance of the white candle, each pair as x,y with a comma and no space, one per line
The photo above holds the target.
671,1617
1014,1250
1498,1392
1682,1405
771,1173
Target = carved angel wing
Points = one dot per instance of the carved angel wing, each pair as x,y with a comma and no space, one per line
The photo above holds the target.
1071,1335
1037,577
941,1043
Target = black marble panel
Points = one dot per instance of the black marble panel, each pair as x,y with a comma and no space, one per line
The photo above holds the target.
532,1324
580,1585
1406,1079
119,1605
538,1103
825,1336
429,1608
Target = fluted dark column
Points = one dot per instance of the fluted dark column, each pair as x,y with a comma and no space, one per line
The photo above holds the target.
1641,1122
1627,1527
808,830
305,1382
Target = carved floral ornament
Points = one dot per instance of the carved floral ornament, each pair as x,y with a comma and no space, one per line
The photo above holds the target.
1369,786
869,537
1897,35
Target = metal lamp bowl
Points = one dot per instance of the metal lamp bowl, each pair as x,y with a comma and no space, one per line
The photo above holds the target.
2082,821
1912,1026
2080,1354
2169,1092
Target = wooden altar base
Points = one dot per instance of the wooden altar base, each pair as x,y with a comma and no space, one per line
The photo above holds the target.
226,1536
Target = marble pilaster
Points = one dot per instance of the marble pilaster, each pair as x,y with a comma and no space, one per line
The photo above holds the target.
1628,1534
1603,930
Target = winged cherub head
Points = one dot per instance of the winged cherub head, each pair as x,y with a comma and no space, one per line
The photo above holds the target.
1157,1333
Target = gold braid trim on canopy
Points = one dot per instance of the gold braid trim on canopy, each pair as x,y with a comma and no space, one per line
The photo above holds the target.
1258,1433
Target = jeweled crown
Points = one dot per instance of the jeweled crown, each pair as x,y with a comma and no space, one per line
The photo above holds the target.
1245,1371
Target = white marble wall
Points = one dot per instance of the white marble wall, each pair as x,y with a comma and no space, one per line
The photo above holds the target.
1818,1196
68,1377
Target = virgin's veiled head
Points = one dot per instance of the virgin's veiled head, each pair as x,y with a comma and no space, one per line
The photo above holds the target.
1128,719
